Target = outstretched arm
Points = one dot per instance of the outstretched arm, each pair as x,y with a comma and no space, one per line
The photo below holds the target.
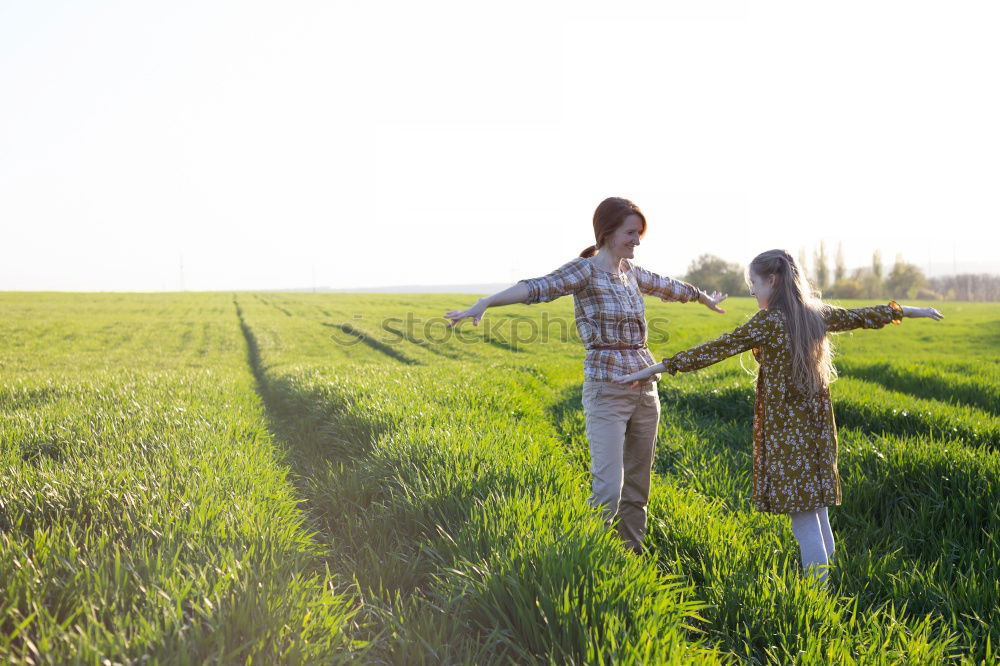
517,293
876,316
752,334
569,278
669,289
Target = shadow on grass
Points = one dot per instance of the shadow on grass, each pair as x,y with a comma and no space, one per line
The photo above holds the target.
435,348
281,309
917,527
730,403
927,385
504,344
13,398
273,305
879,418
361,336
927,504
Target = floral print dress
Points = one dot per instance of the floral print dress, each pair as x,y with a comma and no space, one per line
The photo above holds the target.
794,434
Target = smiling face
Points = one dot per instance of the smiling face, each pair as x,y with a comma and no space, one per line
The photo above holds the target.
621,243
761,288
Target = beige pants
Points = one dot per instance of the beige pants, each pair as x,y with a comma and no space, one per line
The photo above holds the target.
621,432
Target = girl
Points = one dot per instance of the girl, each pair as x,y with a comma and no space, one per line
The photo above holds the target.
607,290
795,439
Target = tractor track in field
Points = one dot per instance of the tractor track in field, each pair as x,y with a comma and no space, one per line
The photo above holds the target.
341,483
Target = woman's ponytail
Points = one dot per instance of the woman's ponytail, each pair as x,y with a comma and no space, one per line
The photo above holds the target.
589,252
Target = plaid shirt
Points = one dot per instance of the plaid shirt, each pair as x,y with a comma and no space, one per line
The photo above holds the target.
609,310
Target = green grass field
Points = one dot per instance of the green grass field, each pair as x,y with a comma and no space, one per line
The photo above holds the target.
274,478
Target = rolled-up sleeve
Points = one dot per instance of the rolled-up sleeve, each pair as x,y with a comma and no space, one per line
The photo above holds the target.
569,278
665,288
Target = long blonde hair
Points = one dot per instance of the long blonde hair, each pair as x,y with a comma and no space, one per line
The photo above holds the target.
812,358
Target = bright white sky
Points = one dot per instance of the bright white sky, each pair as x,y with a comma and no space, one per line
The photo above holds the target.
367,143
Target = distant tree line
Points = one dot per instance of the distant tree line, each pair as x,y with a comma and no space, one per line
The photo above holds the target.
967,287
904,280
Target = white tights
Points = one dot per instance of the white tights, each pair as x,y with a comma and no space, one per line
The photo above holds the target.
812,531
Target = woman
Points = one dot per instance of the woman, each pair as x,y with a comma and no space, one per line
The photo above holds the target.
607,290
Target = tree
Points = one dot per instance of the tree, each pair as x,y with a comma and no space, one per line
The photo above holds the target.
967,287
803,265
904,280
871,285
712,273
873,282
846,289
839,270
822,272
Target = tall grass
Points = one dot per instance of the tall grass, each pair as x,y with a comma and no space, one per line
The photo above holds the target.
460,519
319,478
145,511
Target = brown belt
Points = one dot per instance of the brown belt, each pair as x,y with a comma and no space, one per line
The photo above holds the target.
617,347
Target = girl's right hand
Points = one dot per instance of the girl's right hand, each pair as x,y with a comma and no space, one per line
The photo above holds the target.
933,314
632,380
475,312
929,313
